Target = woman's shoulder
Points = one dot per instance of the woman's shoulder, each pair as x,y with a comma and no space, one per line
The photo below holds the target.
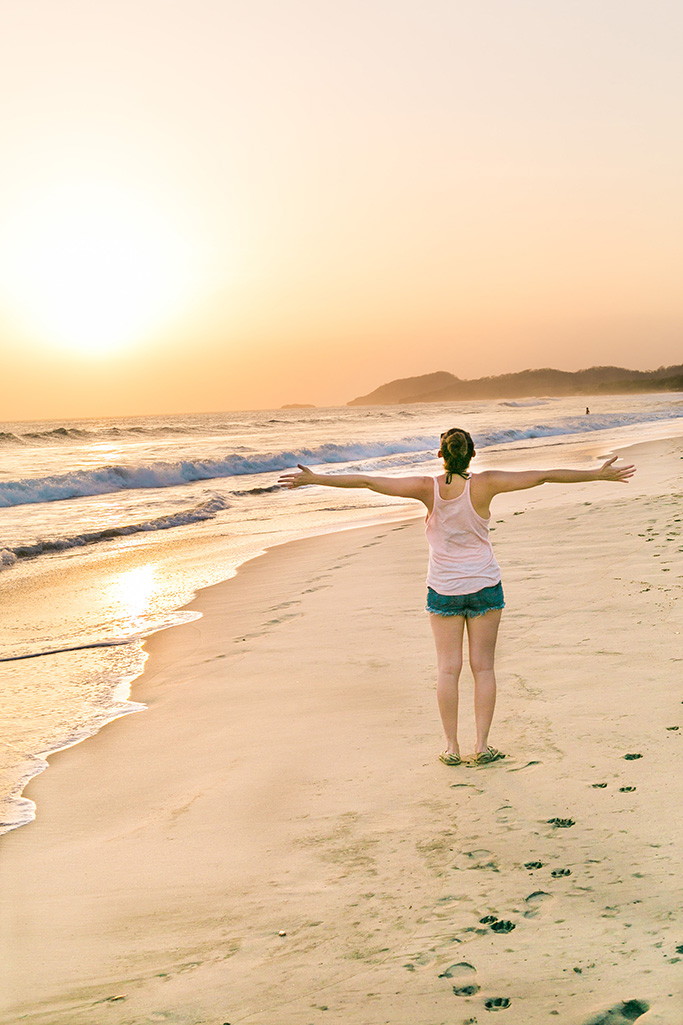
482,483
426,486
487,478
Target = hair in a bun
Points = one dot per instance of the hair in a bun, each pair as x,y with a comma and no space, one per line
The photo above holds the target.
457,449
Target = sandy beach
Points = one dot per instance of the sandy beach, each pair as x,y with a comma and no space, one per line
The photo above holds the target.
273,839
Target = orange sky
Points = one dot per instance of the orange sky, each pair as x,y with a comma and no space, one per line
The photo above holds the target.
212,204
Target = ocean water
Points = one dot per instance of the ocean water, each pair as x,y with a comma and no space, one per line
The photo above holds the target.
109,526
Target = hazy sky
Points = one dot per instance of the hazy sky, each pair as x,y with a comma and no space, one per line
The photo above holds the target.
212,204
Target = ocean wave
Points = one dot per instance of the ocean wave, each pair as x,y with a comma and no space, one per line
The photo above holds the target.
61,434
531,402
110,479
258,491
204,511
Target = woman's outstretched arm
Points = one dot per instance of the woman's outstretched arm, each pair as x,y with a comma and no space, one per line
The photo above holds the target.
421,488
497,481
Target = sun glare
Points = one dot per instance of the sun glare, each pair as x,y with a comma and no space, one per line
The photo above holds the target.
132,592
94,268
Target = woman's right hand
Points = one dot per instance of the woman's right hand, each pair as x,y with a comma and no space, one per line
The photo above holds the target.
298,480
618,473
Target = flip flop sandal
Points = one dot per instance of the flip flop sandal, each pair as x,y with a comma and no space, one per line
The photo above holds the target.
491,754
448,758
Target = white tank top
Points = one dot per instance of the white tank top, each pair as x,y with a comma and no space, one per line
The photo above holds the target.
461,559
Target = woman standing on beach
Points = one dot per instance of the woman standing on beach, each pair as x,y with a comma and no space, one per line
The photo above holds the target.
464,589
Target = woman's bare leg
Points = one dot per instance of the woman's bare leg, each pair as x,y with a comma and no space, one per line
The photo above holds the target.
482,632
448,633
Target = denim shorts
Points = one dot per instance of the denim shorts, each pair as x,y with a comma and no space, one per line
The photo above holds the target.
468,605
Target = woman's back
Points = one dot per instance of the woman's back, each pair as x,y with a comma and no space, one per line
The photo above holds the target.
461,559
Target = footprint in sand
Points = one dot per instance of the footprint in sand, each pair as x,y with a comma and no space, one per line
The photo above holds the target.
632,757
558,872
598,786
488,919
479,859
620,1014
626,790
527,765
502,926
497,1004
505,815
464,976
561,823
672,728
534,901
533,864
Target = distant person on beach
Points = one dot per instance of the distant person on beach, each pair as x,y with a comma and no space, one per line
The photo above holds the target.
464,589
587,411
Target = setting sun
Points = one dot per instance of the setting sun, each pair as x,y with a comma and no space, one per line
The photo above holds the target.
93,267
338,338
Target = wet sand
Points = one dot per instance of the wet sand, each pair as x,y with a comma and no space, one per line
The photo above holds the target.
274,839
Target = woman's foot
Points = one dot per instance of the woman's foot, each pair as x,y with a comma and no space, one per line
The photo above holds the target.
491,754
450,758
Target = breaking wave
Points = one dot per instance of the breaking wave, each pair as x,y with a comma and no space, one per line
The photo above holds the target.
531,402
80,434
111,479
112,433
204,511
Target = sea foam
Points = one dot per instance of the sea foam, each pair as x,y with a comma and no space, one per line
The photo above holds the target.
110,479
204,511
159,474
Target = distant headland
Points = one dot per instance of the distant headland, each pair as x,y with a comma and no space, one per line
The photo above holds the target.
444,387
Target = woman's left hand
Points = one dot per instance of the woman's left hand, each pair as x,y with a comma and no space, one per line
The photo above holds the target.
298,480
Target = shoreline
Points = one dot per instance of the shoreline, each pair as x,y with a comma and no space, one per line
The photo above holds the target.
123,701
125,704
343,790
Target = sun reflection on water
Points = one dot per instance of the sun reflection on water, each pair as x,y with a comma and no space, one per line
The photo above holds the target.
134,589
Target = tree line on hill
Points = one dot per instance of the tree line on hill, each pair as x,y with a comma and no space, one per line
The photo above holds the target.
445,387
